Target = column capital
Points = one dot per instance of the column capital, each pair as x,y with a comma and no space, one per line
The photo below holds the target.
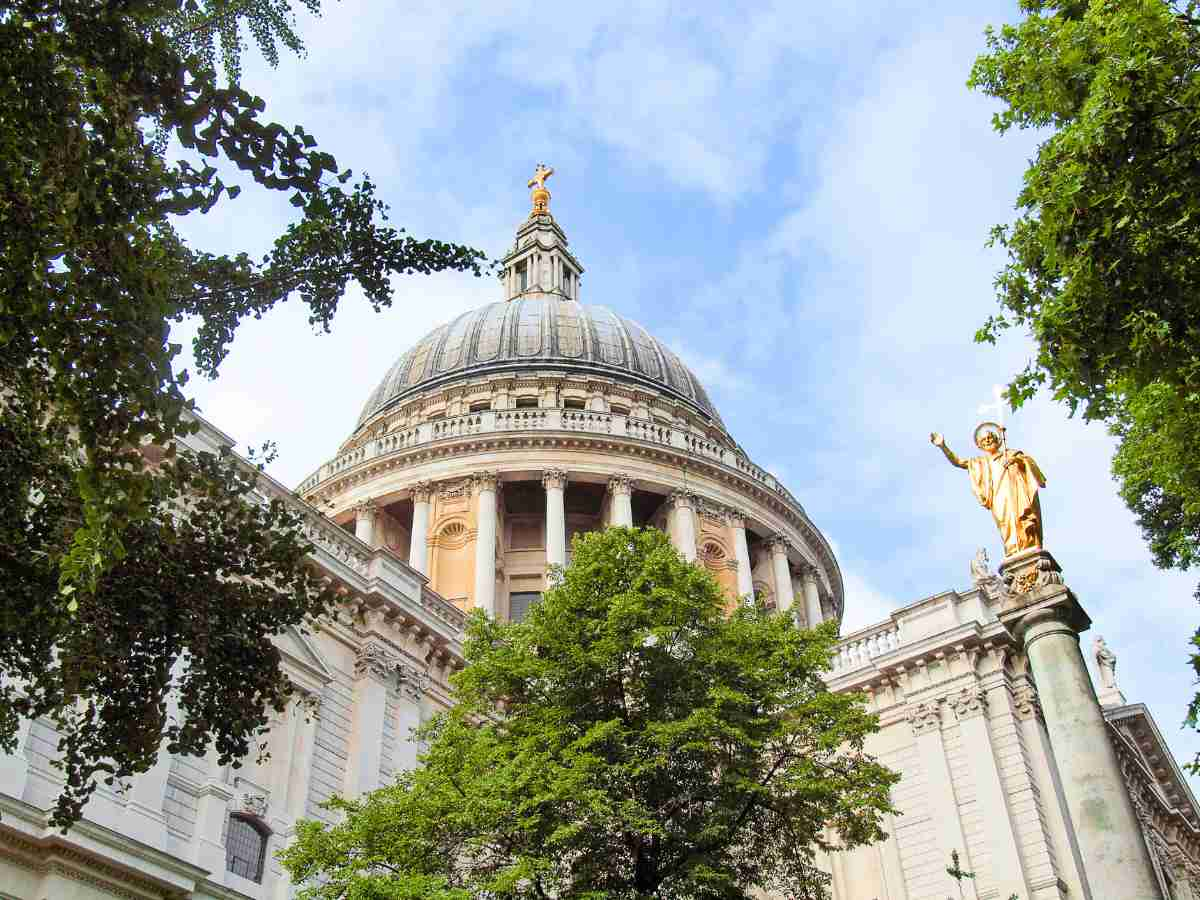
368,509
620,485
735,518
778,544
412,681
969,703
925,717
423,491
374,660
484,481
554,479
682,500
1026,704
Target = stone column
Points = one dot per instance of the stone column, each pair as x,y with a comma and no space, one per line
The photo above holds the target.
484,485
308,712
555,483
926,722
970,708
620,505
373,669
683,525
144,818
365,515
1046,619
418,548
812,597
784,595
741,552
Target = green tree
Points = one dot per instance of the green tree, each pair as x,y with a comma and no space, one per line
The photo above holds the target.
1104,258
116,562
627,740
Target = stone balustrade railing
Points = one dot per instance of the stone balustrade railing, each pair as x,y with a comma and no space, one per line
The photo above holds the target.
862,646
491,421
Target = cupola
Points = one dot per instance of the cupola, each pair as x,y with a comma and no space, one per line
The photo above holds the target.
539,262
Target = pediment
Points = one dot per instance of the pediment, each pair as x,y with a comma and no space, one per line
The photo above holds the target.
302,659
1136,729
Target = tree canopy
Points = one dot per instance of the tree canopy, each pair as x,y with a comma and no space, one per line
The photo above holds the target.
1104,256
628,739
117,562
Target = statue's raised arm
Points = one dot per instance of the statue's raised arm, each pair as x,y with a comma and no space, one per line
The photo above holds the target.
938,441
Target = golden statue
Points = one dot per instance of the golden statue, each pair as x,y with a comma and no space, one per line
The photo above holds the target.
540,194
1006,482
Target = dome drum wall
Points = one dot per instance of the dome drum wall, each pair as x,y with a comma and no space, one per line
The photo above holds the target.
587,459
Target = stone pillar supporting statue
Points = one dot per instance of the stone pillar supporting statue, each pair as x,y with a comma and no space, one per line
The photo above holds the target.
620,505
683,525
484,486
365,515
1045,618
555,483
741,552
418,548
781,572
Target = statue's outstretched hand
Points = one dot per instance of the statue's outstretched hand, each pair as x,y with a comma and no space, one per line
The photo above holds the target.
937,440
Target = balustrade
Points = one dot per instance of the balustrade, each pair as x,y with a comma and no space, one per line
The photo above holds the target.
547,420
861,647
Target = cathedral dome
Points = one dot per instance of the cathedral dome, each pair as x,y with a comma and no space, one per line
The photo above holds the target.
536,330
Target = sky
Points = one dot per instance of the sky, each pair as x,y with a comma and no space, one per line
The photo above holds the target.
796,200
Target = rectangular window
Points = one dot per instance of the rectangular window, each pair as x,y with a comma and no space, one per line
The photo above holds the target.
522,276
520,602
572,403
481,406
527,402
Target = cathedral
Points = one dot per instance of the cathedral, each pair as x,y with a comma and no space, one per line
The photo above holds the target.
482,451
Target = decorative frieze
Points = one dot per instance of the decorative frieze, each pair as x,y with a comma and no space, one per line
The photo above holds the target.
253,804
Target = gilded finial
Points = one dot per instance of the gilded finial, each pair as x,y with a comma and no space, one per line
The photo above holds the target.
540,195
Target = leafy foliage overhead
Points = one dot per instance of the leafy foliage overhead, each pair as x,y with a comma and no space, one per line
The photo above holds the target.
629,739
1104,257
115,566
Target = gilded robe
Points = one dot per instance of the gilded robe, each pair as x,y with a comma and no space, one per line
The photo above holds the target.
1007,483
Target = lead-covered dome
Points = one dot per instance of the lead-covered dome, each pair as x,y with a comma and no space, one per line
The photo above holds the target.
533,331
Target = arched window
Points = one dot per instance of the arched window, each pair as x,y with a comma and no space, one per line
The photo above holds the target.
246,847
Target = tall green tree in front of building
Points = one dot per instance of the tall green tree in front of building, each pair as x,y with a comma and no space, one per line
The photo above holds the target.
628,739
1104,258
131,569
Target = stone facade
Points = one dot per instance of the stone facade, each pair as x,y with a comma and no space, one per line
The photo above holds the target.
463,485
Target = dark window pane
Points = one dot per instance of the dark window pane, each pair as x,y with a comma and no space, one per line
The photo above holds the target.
245,848
520,603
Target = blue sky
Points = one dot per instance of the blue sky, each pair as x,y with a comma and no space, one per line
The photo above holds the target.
796,200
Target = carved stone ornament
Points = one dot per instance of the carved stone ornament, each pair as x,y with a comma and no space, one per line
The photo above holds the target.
366,510
681,500
413,682
375,660
554,479
778,544
484,481
925,717
620,485
968,703
253,804
423,491
735,518
1036,570
1026,704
